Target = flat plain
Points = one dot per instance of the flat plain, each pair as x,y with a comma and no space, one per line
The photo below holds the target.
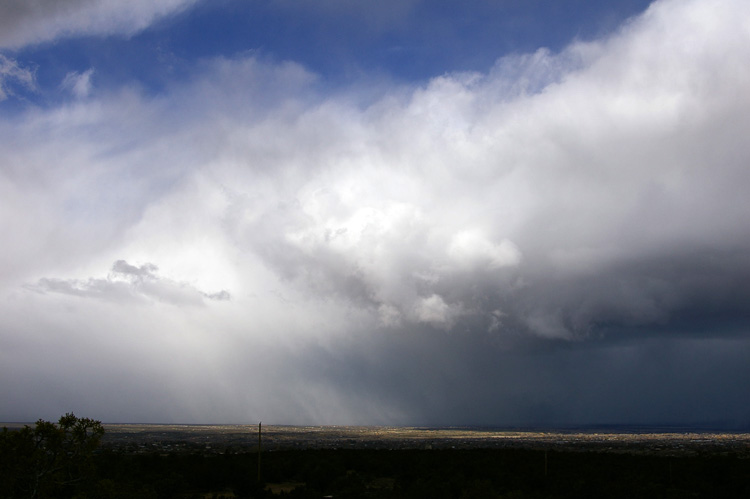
201,461
219,438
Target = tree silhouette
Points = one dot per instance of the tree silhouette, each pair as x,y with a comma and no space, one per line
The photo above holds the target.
49,460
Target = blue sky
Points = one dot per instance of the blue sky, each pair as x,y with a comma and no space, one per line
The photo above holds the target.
343,42
406,212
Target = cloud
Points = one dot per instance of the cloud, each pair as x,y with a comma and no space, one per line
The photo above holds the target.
470,248
79,84
24,23
549,189
13,75
127,283
500,247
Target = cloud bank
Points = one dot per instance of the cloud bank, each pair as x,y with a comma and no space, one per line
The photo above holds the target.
506,247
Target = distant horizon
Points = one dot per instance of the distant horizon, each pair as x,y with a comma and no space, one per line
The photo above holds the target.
613,428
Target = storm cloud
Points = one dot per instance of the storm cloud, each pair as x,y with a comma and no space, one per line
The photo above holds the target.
24,22
560,240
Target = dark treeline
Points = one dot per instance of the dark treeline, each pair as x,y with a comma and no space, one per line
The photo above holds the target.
72,468
471,473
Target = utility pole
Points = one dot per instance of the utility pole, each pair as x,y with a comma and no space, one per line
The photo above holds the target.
259,431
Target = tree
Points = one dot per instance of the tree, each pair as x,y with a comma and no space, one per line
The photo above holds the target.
49,460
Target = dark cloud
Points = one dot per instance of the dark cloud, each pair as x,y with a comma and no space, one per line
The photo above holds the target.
128,282
25,22
432,377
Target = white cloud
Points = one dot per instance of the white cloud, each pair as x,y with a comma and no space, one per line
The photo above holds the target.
434,311
469,248
79,84
592,158
11,75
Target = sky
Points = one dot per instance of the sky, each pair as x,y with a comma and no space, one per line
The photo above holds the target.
410,212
